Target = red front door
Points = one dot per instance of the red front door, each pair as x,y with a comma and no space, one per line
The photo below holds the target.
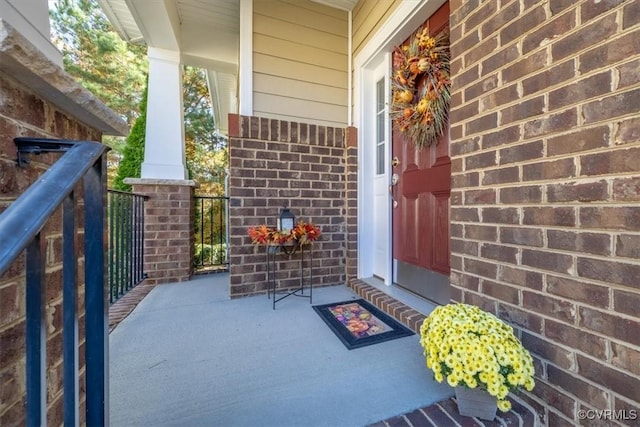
421,216
421,207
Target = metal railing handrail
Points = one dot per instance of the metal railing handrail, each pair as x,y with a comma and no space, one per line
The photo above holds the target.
21,229
42,198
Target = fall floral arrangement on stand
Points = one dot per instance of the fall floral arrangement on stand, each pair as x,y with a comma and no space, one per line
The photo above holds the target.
301,234
420,87
474,349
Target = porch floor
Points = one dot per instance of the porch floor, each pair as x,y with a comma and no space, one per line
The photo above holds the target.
189,355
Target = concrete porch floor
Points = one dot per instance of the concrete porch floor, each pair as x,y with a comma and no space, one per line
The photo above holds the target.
188,355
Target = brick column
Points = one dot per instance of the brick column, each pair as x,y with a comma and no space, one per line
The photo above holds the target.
351,178
169,238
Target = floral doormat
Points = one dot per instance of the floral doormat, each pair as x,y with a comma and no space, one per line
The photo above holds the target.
358,323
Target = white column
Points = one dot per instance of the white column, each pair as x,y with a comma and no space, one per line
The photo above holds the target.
164,153
245,96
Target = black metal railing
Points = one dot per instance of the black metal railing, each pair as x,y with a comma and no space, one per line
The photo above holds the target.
21,226
211,235
126,242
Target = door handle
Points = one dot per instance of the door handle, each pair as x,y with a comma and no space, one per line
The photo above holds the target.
394,182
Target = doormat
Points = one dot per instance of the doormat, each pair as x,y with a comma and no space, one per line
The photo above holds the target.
358,323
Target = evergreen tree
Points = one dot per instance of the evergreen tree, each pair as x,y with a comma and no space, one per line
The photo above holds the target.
133,153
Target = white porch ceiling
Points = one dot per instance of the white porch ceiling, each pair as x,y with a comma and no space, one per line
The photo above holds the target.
206,32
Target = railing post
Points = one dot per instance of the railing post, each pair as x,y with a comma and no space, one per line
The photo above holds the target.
36,337
70,312
96,301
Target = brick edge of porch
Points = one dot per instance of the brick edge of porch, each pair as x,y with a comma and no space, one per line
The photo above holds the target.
445,411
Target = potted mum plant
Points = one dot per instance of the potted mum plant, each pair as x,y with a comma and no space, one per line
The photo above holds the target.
479,355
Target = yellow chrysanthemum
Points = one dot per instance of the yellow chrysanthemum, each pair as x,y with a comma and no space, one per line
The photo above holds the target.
504,405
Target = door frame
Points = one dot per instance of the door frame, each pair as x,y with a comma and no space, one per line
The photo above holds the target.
403,21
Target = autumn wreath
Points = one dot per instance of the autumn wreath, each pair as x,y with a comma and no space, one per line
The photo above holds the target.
302,233
420,87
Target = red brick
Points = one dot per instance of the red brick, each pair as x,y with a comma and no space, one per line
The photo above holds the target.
522,25
501,137
609,271
501,292
629,74
501,176
464,214
500,215
624,357
500,20
589,87
626,302
499,253
523,110
525,66
578,192
628,246
605,54
618,161
558,122
550,394
593,243
481,88
471,179
557,355
499,59
554,29
521,318
522,236
628,131
564,168
480,268
551,261
612,326
585,37
465,247
618,382
631,13
611,218
522,194
546,215
458,81
611,107
587,293
526,278
576,386
567,335
482,50
480,232
587,139
521,152
549,77
479,197
498,98
459,114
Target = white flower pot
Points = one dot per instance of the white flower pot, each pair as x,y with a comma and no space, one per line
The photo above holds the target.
476,402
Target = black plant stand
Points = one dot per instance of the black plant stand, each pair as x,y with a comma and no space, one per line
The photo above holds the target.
272,254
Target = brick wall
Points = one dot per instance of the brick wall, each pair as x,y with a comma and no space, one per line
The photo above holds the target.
273,163
22,113
546,183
